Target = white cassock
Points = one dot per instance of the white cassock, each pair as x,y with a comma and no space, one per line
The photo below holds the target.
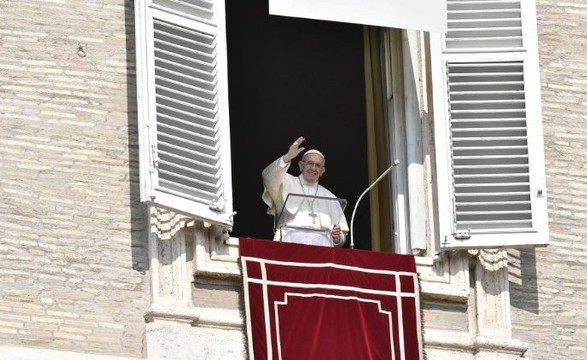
303,220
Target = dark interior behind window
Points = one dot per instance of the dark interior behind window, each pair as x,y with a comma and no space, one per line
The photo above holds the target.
292,77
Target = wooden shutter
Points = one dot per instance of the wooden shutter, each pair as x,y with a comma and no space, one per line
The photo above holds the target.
183,107
488,122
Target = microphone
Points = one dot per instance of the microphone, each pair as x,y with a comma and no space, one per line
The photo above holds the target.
395,164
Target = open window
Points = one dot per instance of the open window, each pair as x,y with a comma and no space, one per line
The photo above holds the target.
185,140
487,123
488,126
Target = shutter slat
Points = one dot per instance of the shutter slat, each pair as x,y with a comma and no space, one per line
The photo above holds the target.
202,44
172,84
199,149
184,178
186,192
512,213
197,120
511,23
491,138
474,177
504,92
496,187
502,195
490,226
508,131
486,120
212,173
201,10
492,203
178,105
205,133
496,167
188,67
190,176
459,159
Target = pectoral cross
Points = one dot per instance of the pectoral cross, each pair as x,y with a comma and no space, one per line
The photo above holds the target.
313,216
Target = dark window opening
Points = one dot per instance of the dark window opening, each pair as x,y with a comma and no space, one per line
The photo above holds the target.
292,77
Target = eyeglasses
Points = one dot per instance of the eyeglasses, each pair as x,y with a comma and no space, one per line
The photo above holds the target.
313,164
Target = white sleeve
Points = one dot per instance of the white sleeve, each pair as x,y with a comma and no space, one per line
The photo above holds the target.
273,176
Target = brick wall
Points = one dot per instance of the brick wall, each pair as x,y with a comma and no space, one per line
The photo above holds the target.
549,285
72,246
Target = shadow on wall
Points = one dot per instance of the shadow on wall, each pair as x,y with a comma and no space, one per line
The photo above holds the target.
523,283
138,210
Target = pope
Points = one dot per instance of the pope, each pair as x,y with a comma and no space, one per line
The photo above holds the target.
313,215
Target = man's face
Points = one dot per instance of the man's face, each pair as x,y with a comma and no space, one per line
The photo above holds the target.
312,167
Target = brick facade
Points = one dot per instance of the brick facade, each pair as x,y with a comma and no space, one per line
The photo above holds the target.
549,289
72,246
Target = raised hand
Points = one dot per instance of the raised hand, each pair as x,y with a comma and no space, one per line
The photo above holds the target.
294,150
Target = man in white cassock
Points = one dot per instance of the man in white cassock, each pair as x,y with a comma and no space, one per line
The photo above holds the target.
310,214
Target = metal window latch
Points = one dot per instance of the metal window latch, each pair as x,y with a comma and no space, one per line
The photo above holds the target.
154,155
540,193
463,234
217,205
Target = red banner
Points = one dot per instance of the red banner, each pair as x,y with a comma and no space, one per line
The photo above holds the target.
313,302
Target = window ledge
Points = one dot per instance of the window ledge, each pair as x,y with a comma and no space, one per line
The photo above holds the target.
447,277
195,316
453,341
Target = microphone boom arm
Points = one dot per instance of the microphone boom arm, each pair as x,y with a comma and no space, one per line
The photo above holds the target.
395,164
